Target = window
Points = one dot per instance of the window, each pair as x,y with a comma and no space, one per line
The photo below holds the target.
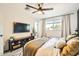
53,25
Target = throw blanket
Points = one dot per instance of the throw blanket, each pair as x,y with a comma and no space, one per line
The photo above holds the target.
31,47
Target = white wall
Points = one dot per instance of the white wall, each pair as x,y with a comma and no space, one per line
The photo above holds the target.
9,20
12,14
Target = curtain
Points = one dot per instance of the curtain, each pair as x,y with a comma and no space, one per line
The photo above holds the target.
43,27
66,26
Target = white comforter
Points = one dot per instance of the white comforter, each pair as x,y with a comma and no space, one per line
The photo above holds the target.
48,49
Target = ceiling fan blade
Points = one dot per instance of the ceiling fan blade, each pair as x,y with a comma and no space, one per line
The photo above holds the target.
31,7
26,8
34,11
45,9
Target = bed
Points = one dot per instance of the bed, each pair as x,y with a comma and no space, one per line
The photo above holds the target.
52,47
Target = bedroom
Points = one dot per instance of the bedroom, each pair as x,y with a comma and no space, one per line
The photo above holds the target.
53,24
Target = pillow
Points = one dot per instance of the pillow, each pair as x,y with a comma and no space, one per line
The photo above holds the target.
73,40
61,43
72,48
70,37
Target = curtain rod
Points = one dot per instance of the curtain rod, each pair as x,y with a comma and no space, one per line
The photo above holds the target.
58,16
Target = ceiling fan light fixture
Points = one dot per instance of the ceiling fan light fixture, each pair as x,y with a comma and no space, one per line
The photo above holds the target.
39,12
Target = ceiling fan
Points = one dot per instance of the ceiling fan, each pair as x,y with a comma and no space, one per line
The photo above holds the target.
40,8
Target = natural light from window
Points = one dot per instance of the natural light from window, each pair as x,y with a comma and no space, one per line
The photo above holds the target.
54,24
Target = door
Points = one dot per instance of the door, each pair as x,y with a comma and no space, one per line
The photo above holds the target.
1,35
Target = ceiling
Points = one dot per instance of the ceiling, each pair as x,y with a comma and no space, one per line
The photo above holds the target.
59,9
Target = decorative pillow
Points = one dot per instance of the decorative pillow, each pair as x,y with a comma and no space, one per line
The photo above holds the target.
73,40
72,48
70,37
61,43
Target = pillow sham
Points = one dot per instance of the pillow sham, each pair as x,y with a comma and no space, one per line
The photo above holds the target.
70,37
72,48
61,43
73,40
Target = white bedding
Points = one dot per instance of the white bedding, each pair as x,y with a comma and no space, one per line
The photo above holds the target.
48,49
51,42
44,47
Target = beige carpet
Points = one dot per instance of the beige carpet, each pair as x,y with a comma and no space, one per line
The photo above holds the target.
18,52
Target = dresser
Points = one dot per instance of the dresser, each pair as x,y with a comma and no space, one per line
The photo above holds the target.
18,43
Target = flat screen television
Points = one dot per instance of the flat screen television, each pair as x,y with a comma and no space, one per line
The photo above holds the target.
21,27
